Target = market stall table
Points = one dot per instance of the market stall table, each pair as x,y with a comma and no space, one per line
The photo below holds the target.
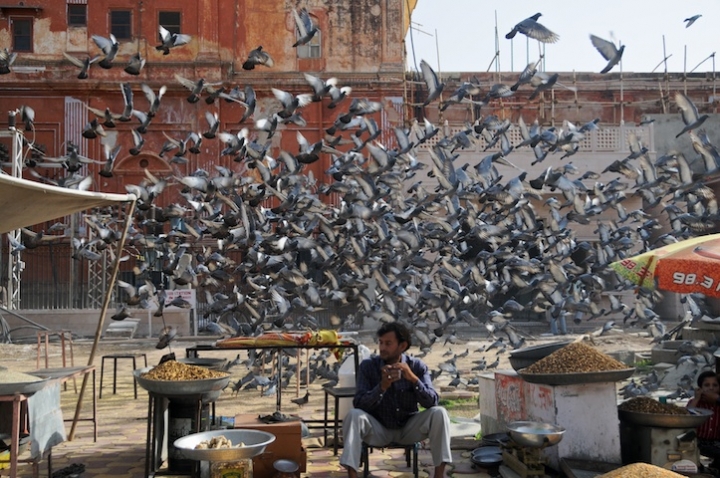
193,352
63,374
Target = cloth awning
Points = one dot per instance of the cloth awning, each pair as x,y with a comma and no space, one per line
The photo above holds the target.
24,203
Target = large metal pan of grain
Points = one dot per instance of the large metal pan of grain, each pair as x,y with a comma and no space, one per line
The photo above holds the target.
12,382
577,378
177,388
694,419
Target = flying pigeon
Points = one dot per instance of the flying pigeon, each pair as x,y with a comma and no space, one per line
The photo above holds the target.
306,29
534,30
431,80
691,20
689,113
608,51
258,57
171,40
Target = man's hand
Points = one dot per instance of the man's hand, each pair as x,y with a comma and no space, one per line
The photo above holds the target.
405,372
389,375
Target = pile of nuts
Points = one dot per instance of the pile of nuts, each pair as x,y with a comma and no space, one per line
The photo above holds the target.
575,358
175,371
220,441
650,405
641,470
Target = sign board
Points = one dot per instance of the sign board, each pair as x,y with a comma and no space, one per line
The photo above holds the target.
185,294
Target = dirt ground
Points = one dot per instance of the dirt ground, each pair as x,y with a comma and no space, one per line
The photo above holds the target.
23,358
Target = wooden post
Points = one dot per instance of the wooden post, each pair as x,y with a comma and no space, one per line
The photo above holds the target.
103,312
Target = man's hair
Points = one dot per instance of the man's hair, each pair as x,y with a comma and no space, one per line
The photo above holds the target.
708,373
401,332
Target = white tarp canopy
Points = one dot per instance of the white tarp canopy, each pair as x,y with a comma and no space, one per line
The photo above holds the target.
24,203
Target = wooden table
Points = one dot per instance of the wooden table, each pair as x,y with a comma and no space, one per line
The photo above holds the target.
193,352
16,399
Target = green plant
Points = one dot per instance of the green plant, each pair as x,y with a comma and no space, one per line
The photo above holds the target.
644,365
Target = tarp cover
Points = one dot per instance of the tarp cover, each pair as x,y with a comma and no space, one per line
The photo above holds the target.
24,203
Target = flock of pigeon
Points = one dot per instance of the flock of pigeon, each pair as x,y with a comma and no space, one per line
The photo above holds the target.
268,249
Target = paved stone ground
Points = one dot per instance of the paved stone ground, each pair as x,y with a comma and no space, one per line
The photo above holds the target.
120,449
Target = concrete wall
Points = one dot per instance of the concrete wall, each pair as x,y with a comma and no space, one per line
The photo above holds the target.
83,323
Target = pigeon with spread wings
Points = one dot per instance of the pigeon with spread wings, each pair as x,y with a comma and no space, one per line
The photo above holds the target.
431,80
306,29
689,113
531,28
609,51
170,40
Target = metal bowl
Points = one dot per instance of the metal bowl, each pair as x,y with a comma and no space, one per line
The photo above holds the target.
577,378
181,388
495,439
539,351
694,419
487,461
535,434
487,450
24,388
255,442
211,363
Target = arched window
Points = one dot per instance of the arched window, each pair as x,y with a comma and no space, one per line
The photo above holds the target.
313,48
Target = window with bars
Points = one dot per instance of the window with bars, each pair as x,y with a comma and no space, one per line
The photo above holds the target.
22,33
77,15
312,49
121,24
170,21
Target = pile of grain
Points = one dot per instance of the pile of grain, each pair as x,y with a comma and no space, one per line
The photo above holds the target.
641,470
650,405
175,371
575,358
8,376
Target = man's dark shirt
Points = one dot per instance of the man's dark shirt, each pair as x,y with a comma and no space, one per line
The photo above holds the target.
394,407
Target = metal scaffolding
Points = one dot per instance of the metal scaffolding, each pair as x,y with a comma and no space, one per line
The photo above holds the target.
13,259
99,271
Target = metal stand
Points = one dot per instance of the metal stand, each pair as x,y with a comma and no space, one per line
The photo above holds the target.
158,442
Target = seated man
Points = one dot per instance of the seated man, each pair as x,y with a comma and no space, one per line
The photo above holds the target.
389,389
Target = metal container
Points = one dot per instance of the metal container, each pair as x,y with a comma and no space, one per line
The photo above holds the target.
24,388
255,442
211,363
487,450
535,434
210,387
576,378
694,419
527,356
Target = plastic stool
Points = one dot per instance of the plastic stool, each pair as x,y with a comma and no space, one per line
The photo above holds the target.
411,456
115,358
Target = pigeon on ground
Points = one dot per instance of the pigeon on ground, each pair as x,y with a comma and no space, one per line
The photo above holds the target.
300,401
